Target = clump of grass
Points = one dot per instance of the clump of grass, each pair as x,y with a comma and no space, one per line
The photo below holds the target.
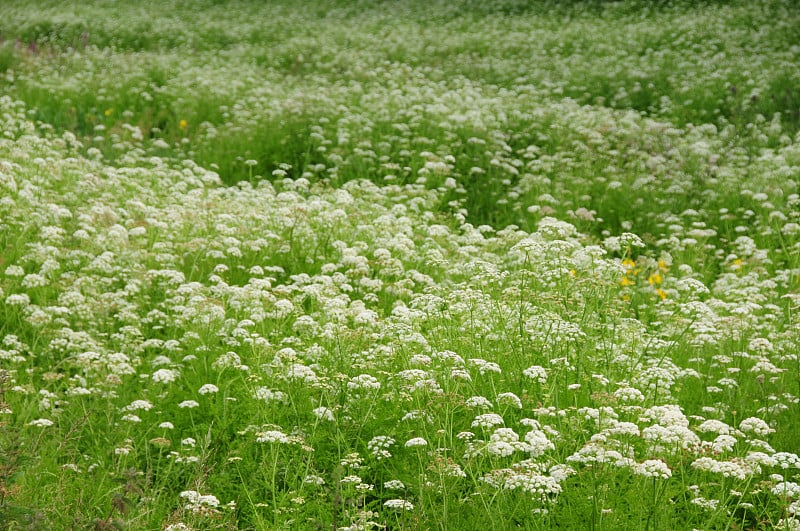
8,57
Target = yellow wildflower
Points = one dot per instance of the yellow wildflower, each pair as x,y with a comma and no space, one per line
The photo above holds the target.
182,124
108,112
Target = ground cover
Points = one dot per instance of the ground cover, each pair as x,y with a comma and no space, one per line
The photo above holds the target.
441,265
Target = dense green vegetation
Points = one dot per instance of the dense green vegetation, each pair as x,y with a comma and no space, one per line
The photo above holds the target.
399,265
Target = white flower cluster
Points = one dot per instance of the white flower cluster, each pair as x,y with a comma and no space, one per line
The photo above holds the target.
653,468
272,436
398,504
736,468
756,426
487,420
786,489
205,504
379,446
416,442
536,373
541,488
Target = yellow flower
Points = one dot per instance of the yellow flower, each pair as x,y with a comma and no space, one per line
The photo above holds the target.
182,124
654,278
662,265
628,263
626,281
661,293
108,112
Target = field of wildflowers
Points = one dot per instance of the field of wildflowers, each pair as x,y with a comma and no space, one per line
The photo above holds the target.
350,265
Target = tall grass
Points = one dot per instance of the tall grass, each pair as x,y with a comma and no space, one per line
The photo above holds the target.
358,265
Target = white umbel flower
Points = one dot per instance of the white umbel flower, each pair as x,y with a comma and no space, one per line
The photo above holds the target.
653,468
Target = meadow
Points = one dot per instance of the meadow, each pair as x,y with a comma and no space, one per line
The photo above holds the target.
447,265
